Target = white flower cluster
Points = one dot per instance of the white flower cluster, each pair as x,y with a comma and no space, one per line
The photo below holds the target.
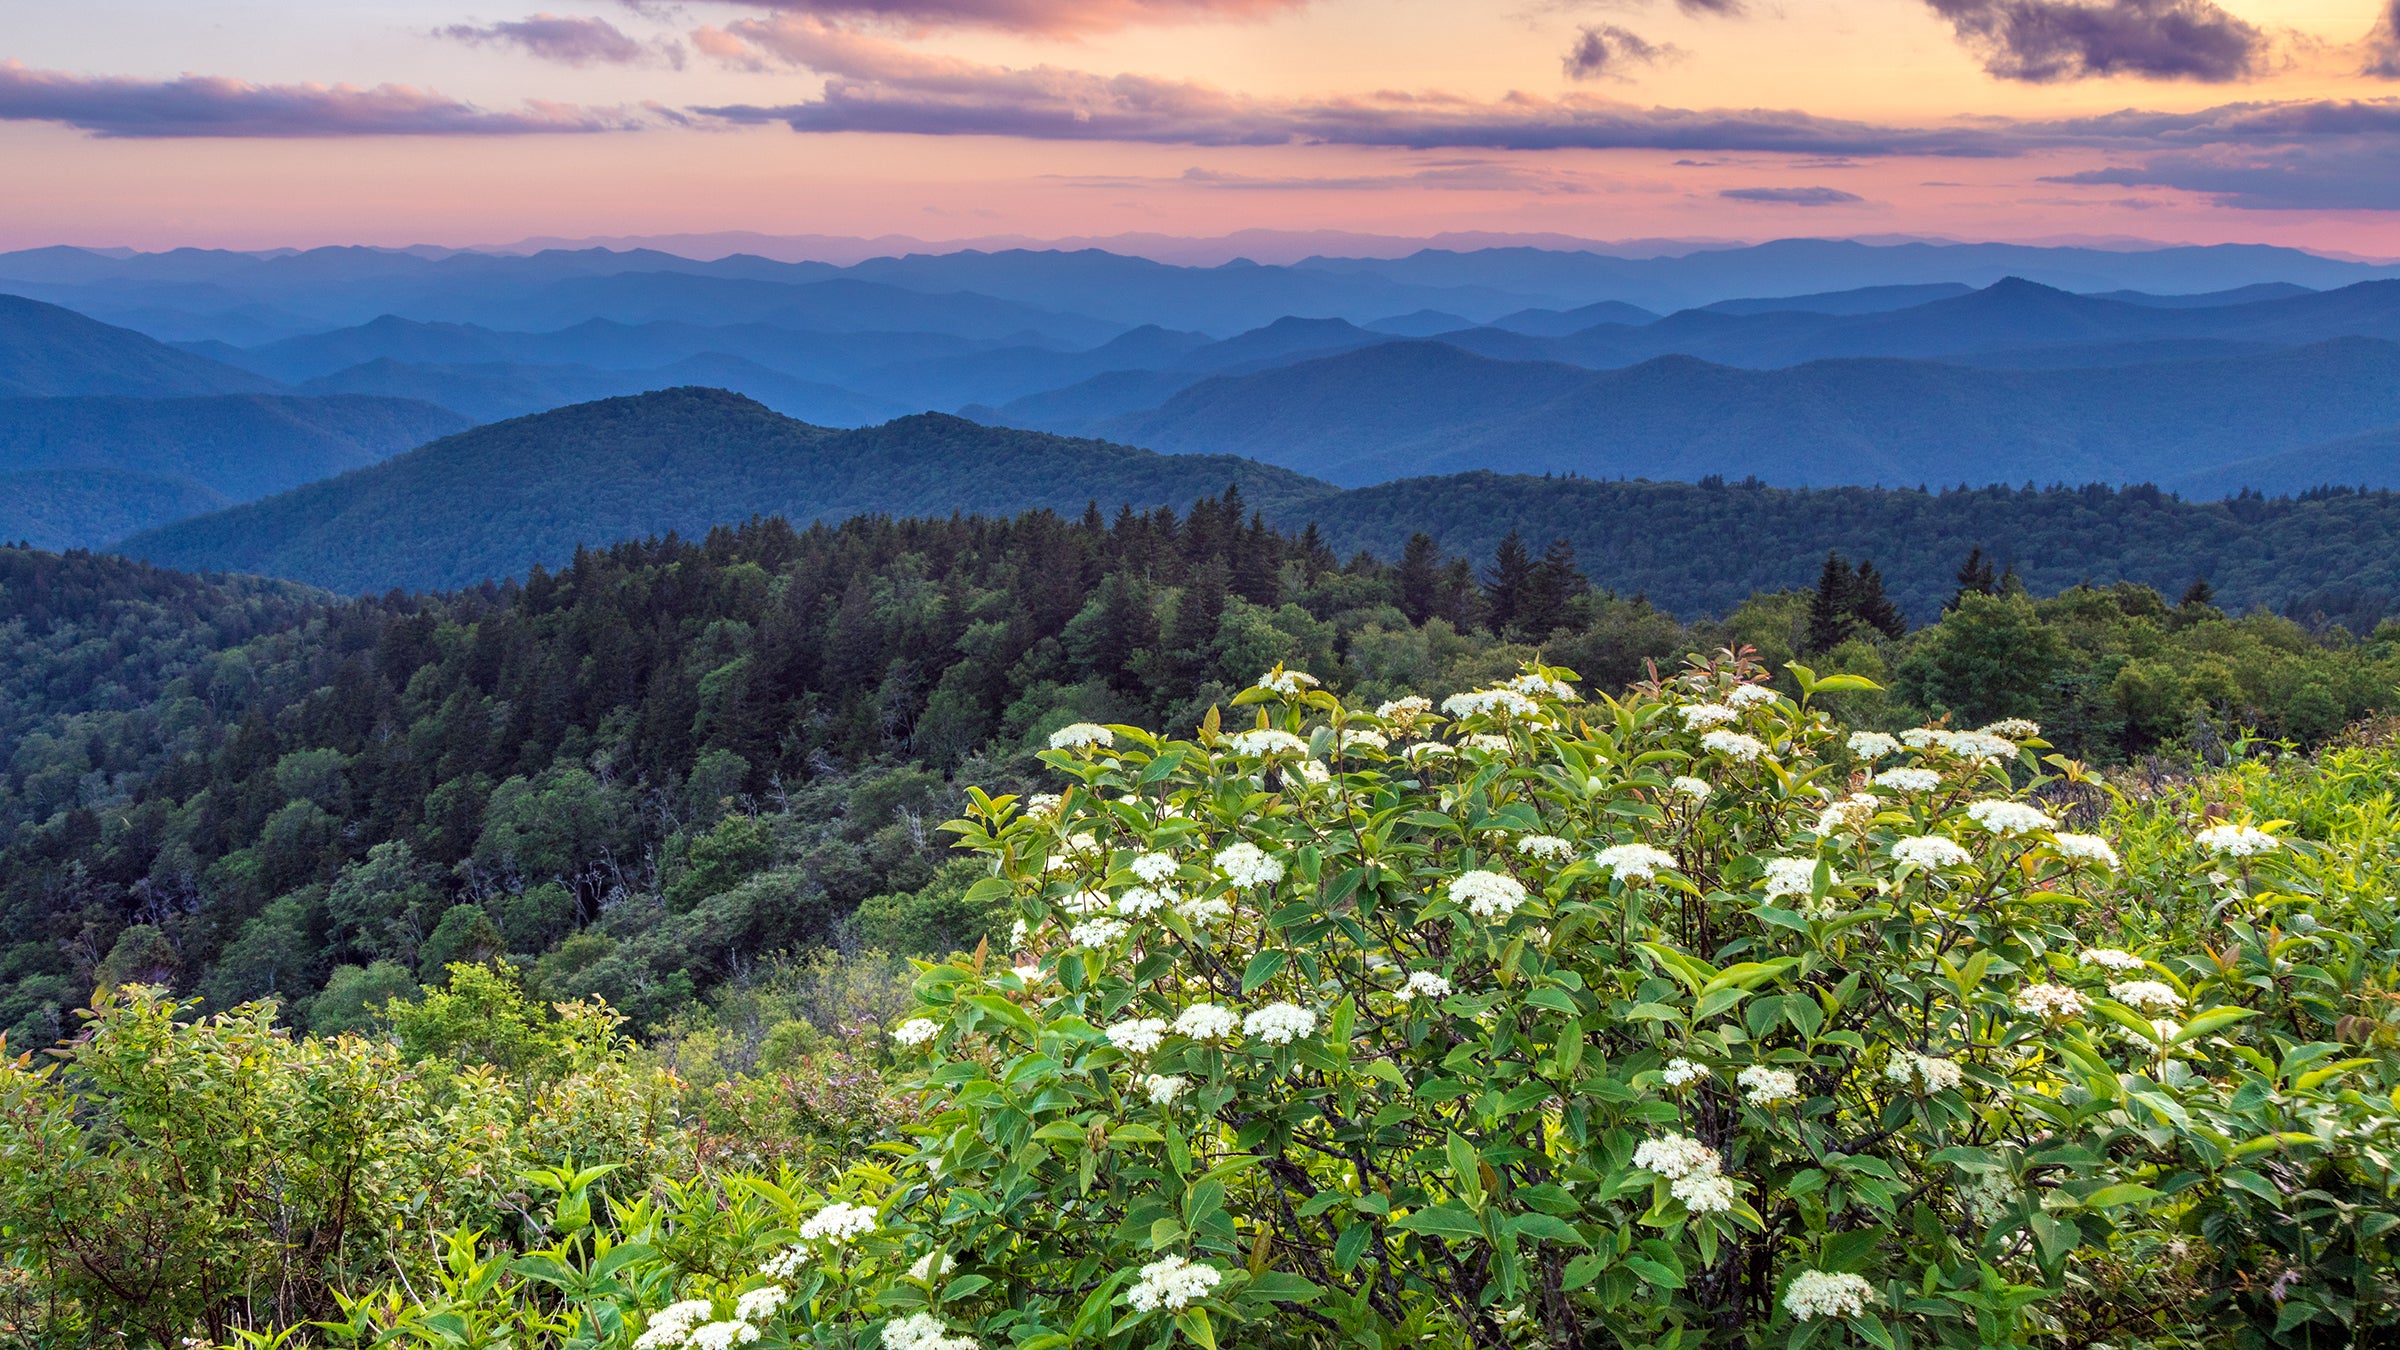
2237,841
761,1303
1138,1035
2054,1002
838,1223
2008,819
1266,742
1206,909
1280,1023
1163,1088
1086,902
1405,713
1932,1073
1547,847
1097,932
1140,902
1694,1173
1155,867
1634,862
916,1031
1081,735
1287,683
1980,746
1990,1197
1507,702
2150,996
1489,743
922,1331
1791,876
1930,851
2089,848
1542,686
1702,716
1854,812
1825,1293
1733,745
1042,803
1872,744
1425,984
674,1324
1762,1086
784,1264
2109,958
1487,895
2013,729
1750,695
1247,865
1698,789
1207,1022
1909,780
1682,1073
1172,1283
1371,739
931,1266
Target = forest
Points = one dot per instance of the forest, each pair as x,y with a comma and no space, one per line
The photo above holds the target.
641,774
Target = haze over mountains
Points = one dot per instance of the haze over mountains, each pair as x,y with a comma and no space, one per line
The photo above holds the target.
139,389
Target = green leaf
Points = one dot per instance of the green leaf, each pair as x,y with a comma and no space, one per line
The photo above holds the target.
1351,1245
1444,1221
1466,1170
2123,1193
1544,1227
1283,1288
1262,968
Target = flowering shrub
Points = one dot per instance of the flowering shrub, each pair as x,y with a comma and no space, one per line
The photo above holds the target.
1798,1055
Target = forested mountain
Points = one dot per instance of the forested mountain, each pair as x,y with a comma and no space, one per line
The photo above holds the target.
46,351
84,508
646,770
1411,408
492,393
497,500
239,446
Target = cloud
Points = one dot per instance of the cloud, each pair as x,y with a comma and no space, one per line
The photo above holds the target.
2044,41
1055,18
1723,9
203,105
876,86
2383,45
1793,196
1458,176
1605,48
569,41
2348,176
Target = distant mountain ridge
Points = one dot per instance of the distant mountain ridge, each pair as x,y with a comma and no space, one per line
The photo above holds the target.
240,446
50,352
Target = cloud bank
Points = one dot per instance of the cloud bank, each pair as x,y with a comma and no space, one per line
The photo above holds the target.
1793,196
1056,18
1606,49
200,105
568,41
2043,41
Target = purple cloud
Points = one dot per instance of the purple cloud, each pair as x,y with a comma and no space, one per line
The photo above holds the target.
1793,196
201,105
1604,49
2383,45
1056,18
567,40
2044,41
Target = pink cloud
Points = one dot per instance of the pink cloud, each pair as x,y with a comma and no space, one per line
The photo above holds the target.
1052,17
568,40
205,105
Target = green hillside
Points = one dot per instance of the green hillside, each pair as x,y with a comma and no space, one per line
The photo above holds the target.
241,445
48,352
88,508
493,501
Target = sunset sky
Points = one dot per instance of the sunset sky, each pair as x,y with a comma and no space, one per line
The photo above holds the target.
253,123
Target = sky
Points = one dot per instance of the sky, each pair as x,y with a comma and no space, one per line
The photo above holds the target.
276,123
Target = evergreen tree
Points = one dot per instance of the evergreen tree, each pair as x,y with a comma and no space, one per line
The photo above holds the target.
1975,577
2199,594
1870,606
1420,577
1504,589
1551,586
1830,611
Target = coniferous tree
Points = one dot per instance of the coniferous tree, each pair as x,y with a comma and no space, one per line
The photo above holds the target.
1830,610
1504,589
1975,577
1420,577
1870,606
2199,594
1551,585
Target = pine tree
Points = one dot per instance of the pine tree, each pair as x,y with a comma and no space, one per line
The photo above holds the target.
1504,589
1829,610
1870,606
1551,585
1975,577
1420,577
2198,594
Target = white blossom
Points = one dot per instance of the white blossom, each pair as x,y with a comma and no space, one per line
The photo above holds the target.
1507,702
1287,683
1821,1293
1547,847
1926,738
1909,780
2237,841
1163,1088
1358,736
1542,686
2013,729
673,1324
1872,744
1080,735
1206,909
931,1266
1750,695
1634,862
1978,746
2085,848
1697,789
1791,876
1702,716
1041,803
1314,773
1097,932
1990,1197
838,1223
1280,1023
2109,958
2150,996
1425,984
1930,850
1246,864
916,1031
2008,819
1404,713
1675,1156
1086,902
1762,1086
1854,812
923,1331
1138,1035
784,1264
1155,867
1682,1072
1733,745
761,1303
2050,1001
1172,1283
722,1335
1141,902
1489,743
1931,1072
1706,1193
1207,1022
1487,895
1263,742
